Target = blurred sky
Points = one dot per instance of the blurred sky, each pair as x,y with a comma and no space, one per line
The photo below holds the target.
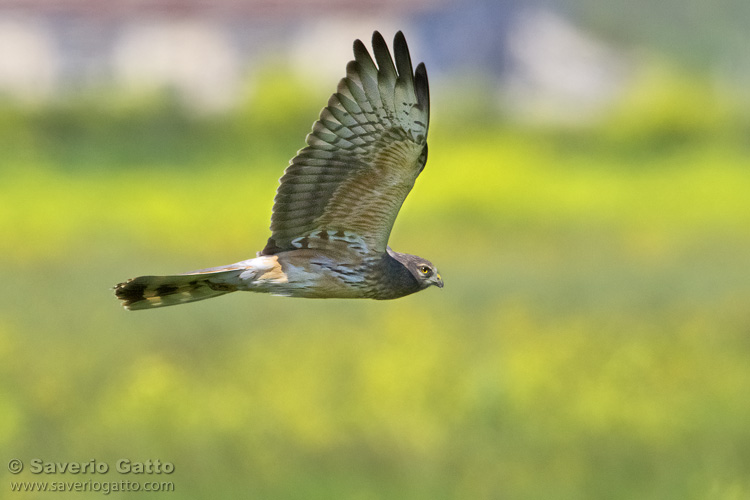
567,57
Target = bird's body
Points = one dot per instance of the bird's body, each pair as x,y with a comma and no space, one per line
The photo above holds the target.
337,201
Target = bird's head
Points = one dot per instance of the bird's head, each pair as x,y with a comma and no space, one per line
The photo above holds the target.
423,270
426,273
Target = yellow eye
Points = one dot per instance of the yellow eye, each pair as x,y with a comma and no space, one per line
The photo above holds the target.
424,269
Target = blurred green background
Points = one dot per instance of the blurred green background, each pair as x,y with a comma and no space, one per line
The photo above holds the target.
592,339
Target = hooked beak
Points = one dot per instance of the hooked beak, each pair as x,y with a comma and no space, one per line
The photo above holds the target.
438,281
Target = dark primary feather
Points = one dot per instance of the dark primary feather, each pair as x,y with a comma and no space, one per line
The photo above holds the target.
363,154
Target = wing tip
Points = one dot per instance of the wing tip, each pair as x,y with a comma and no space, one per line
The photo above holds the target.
377,39
402,58
359,49
382,55
422,87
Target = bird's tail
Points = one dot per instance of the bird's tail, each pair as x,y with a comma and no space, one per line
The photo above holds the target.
147,292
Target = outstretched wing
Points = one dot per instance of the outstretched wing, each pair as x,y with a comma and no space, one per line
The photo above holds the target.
362,156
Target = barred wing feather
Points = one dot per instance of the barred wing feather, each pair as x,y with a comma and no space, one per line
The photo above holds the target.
363,154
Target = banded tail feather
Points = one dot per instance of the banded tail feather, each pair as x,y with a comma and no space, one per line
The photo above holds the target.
147,292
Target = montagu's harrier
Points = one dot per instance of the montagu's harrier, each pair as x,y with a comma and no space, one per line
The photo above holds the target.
337,200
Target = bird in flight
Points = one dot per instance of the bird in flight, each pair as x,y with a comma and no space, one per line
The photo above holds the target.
337,200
